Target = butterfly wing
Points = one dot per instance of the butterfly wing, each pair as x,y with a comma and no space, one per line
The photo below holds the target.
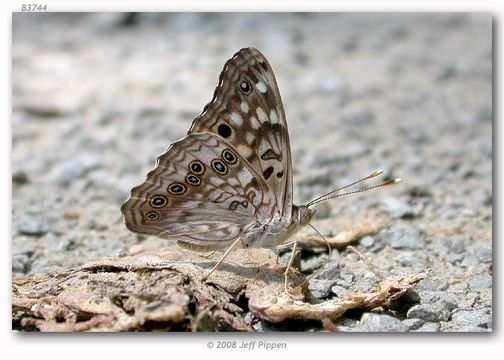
202,192
247,111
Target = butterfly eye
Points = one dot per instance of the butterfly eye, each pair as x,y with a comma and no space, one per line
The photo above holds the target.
177,189
219,167
245,87
152,215
158,201
193,179
229,157
197,167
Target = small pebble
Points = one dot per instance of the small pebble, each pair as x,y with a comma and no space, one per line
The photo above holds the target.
320,289
451,244
434,312
471,318
66,172
399,208
480,282
381,323
21,263
483,253
340,291
33,226
413,324
404,237
367,241
313,263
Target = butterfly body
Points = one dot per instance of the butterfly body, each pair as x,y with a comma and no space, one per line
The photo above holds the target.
231,177
277,231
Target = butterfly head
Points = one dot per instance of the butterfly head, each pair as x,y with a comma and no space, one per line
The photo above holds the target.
304,214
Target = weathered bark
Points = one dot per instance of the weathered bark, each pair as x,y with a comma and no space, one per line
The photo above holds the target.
161,290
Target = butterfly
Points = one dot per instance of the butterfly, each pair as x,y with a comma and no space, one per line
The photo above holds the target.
228,182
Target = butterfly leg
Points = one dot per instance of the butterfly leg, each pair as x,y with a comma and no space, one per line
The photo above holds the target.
289,265
231,247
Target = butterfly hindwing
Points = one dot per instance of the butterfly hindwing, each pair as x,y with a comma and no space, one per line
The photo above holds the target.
201,192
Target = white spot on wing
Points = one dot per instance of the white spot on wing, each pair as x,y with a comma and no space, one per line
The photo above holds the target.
261,87
261,115
237,119
244,150
250,137
244,106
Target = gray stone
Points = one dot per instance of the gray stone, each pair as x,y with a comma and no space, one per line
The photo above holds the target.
320,289
455,259
481,282
434,312
352,257
313,263
411,259
367,283
469,260
68,171
483,253
451,300
428,327
45,266
347,278
451,244
33,226
21,263
340,291
367,241
331,270
471,318
404,237
413,324
444,285
426,285
67,244
399,208
381,323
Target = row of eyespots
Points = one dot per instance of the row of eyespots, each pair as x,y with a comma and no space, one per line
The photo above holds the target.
220,167
176,188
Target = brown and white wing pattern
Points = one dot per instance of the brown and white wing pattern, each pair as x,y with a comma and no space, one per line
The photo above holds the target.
202,192
246,110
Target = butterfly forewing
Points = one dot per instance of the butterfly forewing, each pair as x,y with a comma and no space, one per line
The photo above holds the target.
246,110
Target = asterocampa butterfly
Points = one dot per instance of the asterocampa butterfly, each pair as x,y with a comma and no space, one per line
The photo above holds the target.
229,181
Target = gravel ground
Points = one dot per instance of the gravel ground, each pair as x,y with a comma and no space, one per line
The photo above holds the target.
97,97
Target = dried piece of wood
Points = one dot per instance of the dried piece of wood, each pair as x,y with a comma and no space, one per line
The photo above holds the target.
161,290
148,291
276,309
372,224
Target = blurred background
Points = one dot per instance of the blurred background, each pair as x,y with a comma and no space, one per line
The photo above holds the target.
97,97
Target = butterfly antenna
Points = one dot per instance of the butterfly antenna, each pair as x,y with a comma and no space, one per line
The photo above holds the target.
374,174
